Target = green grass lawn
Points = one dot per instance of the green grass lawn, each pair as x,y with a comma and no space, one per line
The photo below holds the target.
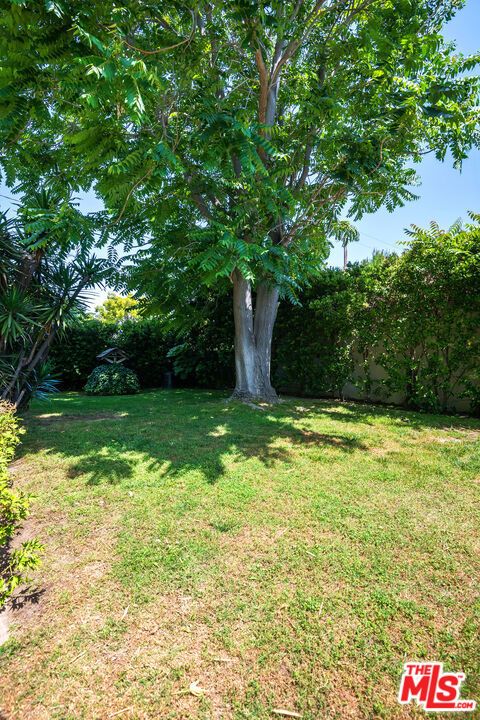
293,558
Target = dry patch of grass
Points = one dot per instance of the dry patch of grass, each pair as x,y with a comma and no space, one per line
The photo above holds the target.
207,561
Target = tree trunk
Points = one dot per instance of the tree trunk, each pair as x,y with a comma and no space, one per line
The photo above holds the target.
253,339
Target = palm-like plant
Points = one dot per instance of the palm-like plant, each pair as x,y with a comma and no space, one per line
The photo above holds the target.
344,232
46,271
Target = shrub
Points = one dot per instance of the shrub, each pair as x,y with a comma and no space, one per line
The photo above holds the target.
15,564
112,379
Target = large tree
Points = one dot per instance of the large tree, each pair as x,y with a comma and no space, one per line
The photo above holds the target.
233,136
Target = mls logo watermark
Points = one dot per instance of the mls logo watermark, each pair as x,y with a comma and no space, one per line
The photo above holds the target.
433,689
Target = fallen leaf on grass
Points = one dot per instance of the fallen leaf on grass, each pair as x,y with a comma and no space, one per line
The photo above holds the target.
77,657
286,713
120,712
196,690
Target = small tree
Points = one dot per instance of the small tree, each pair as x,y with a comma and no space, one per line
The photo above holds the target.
117,308
345,233
233,135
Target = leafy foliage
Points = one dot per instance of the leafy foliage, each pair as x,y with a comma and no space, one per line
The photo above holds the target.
15,564
114,379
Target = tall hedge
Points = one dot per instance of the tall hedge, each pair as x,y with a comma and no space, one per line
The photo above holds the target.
419,318
74,355
146,344
312,348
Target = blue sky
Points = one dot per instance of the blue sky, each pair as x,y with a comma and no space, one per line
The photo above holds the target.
445,194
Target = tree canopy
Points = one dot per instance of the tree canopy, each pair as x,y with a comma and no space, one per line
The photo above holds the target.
234,133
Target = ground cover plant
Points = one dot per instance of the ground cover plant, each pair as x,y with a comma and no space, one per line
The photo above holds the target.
15,563
207,560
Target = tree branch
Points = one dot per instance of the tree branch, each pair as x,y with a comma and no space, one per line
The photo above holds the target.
263,76
306,166
132,190
237,167
293,45
306,216
171,47
296,10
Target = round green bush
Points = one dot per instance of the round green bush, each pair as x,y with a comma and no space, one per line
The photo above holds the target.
112,380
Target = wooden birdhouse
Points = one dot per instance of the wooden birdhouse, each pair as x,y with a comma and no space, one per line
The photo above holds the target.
112,355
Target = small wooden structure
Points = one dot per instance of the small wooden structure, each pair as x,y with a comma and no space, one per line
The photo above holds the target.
112,355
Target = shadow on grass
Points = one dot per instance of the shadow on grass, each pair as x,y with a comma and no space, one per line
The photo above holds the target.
367,413
164,433
102,467
28,596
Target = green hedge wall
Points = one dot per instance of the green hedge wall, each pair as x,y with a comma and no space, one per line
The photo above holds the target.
200,357
313,341
74,355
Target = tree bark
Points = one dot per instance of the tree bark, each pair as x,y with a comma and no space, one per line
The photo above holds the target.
253,339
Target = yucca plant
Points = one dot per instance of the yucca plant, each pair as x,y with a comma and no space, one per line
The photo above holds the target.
46,270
